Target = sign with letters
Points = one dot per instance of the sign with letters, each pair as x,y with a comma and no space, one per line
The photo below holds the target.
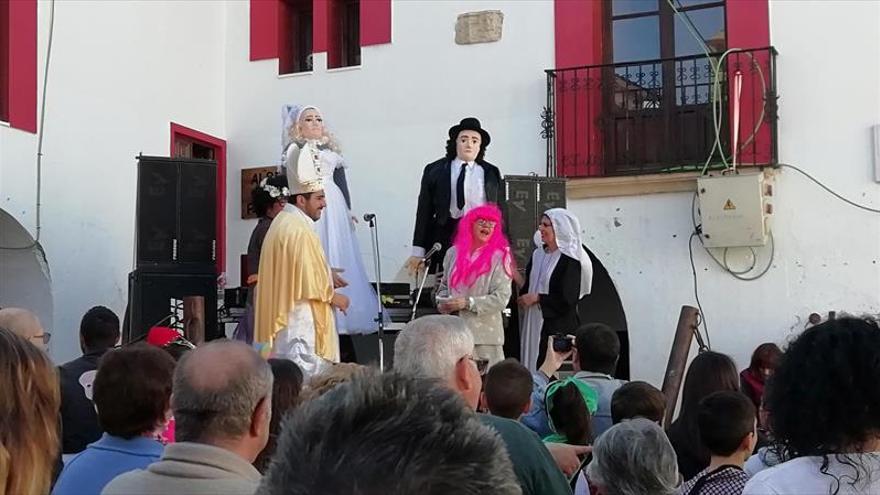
250,178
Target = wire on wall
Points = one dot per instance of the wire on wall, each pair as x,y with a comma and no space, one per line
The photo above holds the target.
697,292
717,110
828,189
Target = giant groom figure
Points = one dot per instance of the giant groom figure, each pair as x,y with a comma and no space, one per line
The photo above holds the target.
451,186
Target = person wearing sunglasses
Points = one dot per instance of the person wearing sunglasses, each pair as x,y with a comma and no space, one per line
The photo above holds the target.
26,324
475,285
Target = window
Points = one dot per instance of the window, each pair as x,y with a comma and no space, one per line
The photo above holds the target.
292,30
295,50
344,47
646,29
641,30
658,88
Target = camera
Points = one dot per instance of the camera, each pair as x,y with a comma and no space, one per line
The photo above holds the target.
562,343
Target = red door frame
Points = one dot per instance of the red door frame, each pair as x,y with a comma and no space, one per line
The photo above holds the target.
219,146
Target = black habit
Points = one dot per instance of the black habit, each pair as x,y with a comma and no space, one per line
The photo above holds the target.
559,307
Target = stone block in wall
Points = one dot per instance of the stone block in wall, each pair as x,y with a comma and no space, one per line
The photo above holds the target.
478,27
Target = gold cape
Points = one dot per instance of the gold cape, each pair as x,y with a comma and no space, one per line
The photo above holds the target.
293,268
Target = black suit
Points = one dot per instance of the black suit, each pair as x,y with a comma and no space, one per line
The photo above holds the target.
559,307
433,221
79,420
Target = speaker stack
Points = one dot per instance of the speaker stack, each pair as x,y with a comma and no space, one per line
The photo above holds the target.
526,198
175,242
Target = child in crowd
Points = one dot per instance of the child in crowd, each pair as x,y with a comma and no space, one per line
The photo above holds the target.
507,389
638,400
727,424
570,404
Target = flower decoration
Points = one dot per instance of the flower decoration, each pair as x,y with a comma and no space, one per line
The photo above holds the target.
274,191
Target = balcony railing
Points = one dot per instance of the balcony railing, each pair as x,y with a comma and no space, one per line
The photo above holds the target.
662,115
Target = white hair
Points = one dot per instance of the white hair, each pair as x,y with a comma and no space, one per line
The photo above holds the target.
634,457
430,346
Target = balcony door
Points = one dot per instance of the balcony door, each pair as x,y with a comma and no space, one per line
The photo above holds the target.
657,83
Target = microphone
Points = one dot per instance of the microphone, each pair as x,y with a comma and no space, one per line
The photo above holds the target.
435,248
369,216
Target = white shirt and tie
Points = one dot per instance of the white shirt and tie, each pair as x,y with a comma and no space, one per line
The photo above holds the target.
474,187
474,191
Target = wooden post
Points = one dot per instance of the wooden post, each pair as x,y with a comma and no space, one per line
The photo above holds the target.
675,368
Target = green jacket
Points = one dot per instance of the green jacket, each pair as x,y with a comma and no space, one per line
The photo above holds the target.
535,468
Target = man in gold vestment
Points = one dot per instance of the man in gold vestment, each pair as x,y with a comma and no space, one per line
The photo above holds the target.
295,299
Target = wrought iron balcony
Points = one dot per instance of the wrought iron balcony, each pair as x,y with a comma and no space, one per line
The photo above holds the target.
661,115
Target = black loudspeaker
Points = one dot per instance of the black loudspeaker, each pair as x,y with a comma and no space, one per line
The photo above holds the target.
527,197
157,299
176,228
366,348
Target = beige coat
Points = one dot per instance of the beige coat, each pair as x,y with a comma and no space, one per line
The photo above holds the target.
490,293
190,468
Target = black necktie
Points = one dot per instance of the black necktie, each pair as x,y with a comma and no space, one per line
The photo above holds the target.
459,188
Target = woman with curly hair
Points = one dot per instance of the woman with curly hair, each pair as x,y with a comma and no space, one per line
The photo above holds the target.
476,282
30,402
824,403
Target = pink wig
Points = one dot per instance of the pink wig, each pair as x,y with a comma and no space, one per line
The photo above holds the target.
468,268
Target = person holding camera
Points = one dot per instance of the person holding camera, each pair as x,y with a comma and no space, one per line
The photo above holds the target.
594,353
559,274
476,279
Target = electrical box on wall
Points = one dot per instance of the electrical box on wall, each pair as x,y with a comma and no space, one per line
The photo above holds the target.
734,209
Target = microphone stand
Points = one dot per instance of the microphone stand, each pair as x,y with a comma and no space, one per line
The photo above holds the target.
421,286
380,318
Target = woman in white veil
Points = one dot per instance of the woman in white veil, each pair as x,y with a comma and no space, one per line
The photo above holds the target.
558,275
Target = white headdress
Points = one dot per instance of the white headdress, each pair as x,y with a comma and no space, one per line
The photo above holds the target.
568,237
303,164
304,168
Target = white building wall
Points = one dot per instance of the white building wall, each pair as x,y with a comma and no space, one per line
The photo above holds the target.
119,73
392,114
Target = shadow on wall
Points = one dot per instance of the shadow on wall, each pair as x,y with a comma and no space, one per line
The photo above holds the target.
603,305
24,273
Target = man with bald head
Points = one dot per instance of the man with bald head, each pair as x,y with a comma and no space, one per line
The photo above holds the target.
22,322
222,405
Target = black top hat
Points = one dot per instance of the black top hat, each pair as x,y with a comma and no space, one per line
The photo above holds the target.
470,124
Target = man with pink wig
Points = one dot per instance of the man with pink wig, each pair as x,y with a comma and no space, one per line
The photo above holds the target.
477,271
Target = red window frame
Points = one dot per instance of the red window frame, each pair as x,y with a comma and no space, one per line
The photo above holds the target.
343,33
296,36
579,27
18,64
269,32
